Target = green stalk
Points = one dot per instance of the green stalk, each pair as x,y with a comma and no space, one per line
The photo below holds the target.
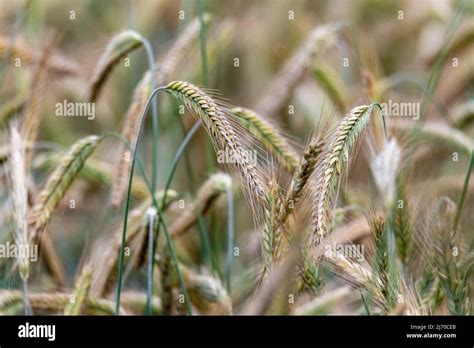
392,265
202,38
174,164
442,56
205,75
230,236
206,244
174,259
127,203
366,305
177,157
462,198
16,28
151,230
187,162
159,209
203,233
205,251
154,165
154,113
141,167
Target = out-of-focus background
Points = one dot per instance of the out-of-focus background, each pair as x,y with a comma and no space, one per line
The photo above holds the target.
392,44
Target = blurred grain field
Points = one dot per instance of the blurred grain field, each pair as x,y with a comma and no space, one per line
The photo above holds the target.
236,157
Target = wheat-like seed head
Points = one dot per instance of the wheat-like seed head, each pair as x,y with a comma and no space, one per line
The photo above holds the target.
264,131
438,132
401,223
11,303
294,69
18,48
278,209
135,302
10,108
119,46
104,277
302,174
271,239
207,293
451,267
385,166
323,303
362,275
52,260
331,83
220,130
31,116
58,183
81,293
94,170
340,145
208,193
19,196
166,67
463,115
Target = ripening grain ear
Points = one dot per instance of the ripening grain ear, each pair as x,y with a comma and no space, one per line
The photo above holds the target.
11,303
103,279
19,199
220,130
272,234
208,193
438,133
301,177
281,87
271,139
167,67
58,183
31,116
81,292
331,168
58,63
120,45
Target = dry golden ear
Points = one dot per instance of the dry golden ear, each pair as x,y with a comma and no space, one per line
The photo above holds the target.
119,46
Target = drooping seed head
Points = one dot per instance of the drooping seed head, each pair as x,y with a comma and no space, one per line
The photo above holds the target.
220,130
334,158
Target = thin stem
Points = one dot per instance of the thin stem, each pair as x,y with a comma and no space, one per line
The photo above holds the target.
202,37
442,56
206,250
230,236
174,164
187,161
127,203
174,259
26,302
177,157
154,113
141,167
462,198
151,230
16,28
206,244
154,166
366,305
205,77
392,266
